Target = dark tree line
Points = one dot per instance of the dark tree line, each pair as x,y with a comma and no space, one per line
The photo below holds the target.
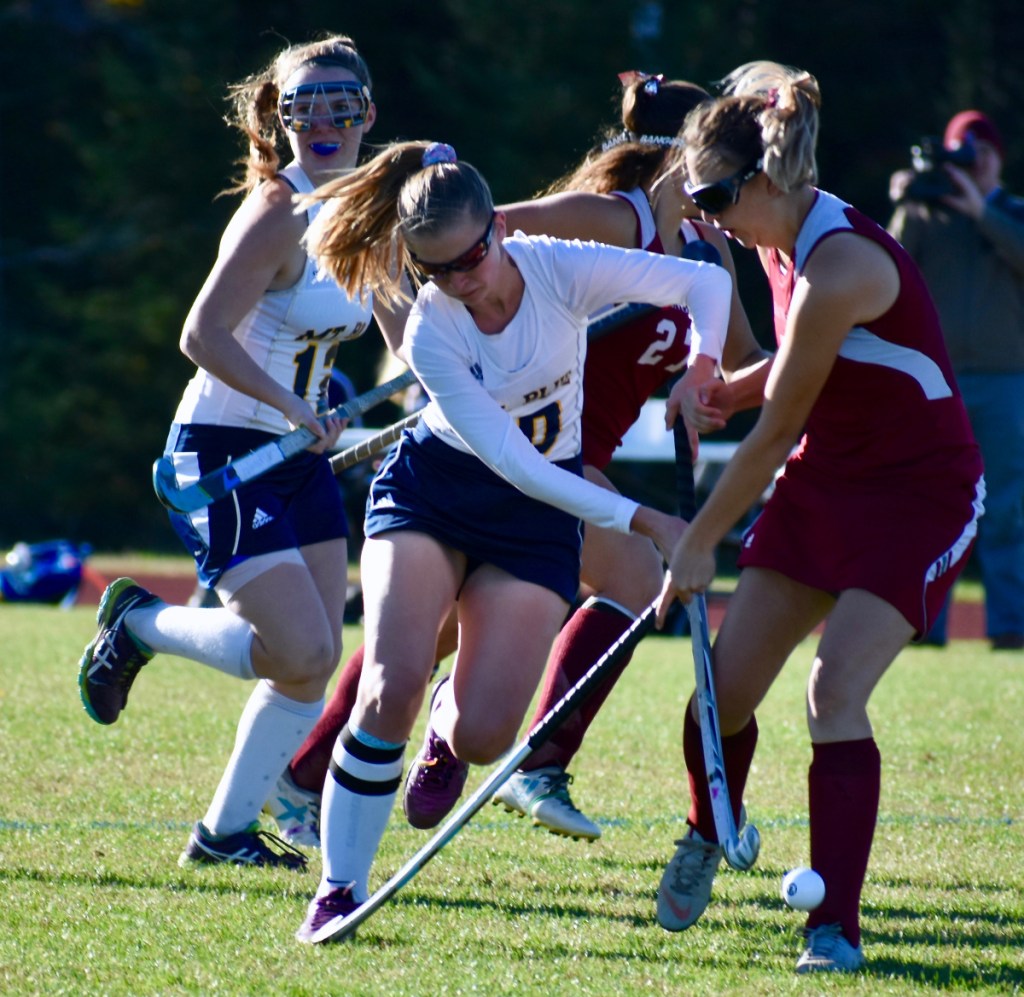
115,151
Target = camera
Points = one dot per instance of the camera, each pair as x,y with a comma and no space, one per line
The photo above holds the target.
930,181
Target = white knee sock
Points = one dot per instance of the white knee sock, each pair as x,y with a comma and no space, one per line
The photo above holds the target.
358,796
214,637
269,732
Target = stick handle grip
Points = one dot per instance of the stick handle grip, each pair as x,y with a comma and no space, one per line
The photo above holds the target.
297,440
372,445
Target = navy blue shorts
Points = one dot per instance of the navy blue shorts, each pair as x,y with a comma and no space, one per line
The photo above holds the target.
294,505
427,486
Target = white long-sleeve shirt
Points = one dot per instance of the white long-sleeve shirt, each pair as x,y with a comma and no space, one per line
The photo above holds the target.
514,398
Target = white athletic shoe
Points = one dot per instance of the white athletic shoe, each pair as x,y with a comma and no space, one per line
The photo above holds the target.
828,951
543,796
297,812
685,888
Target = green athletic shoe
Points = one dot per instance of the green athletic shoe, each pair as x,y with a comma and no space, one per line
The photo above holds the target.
113,658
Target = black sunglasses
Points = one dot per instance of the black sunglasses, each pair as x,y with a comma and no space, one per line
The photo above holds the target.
462,263
714,198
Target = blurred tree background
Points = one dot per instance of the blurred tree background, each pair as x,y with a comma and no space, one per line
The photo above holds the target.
115,151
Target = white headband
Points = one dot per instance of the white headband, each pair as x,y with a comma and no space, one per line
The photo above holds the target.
623,137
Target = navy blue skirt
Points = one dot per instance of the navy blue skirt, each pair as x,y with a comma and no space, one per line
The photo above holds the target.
294,505
430,487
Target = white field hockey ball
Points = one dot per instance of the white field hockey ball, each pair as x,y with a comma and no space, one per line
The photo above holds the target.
803,889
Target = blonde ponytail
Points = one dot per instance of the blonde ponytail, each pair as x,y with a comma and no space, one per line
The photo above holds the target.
786,103
358,237
354,237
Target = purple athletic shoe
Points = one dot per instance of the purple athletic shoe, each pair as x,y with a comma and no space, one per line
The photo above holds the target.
435,778
324,911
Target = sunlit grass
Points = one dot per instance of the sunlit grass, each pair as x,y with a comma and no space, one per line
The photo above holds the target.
93,819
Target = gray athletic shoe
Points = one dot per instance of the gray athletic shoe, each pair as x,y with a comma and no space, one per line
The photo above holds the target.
297,812
685,888
828,951
543,796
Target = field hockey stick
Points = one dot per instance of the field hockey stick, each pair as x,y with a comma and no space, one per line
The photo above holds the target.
214,485
740,851
340,927
616,316
372,445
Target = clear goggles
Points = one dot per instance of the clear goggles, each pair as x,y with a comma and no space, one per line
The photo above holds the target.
344,104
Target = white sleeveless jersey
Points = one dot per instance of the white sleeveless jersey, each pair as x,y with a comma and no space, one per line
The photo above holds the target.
514,399
649,238
293,334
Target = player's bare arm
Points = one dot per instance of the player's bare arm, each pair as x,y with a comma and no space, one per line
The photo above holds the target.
259,252
575,215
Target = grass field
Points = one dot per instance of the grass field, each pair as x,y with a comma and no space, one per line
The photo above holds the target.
93,819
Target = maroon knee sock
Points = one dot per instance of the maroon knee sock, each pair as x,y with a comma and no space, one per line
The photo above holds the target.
737,754
589,633
308,767
844,783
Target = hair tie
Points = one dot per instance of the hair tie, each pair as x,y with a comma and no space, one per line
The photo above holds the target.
438,152
653,84
772,99
633,76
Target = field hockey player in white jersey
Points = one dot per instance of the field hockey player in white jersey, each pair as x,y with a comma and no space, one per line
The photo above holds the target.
619,195
482,502
263,333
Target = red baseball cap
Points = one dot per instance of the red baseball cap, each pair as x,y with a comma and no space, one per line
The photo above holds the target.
981,126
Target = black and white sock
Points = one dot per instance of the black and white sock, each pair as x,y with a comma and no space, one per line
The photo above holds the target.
359,793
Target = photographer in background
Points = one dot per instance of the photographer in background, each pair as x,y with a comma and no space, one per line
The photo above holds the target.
967,235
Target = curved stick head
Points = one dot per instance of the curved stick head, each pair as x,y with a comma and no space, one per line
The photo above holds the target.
165,484
337,929
742,853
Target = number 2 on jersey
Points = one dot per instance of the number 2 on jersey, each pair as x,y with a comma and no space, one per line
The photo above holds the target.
653,354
